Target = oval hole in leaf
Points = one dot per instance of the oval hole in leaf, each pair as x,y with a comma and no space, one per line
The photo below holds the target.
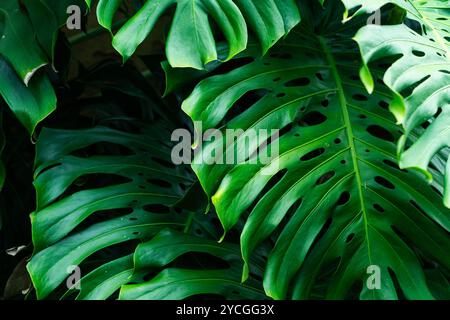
379,208
381,133
344,198
313,154
325,177
384,182
360,97
159,183
383,104
312,118
350,237
244,103
418,53
298,82
156,208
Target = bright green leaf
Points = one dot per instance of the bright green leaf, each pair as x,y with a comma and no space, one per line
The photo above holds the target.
191,42
30,104
334,199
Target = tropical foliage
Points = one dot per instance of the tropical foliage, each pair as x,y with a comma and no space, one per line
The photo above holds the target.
361,181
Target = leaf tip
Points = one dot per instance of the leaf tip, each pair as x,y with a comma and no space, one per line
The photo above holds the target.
398,108
367,79
245,272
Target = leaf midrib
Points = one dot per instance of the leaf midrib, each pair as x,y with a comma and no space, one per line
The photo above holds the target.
351,138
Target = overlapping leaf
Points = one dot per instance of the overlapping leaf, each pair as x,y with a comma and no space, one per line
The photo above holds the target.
17,43
149,200
47,16
101,191
334,199
191,40
30,104
420,76
27,38
149,189
180,283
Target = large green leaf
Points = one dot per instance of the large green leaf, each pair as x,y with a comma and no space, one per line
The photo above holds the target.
103,190
419,77
181,283
103,282
27,39
149,200
191,40
334,199
150,188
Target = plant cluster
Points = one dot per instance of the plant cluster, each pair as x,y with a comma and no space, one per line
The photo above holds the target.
359,92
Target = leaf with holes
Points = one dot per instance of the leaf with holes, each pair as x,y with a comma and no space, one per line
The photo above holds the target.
134,193
419,77
180,283
103,190
69,228
191,40
332,199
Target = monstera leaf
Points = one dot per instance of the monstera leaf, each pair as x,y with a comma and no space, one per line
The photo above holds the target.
179,78
135,195
419,77
181,283
191,40
30,104
68,228
332,198
104,195
28,35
